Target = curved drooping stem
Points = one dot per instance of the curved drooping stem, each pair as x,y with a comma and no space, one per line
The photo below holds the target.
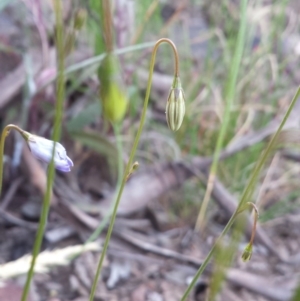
4,134
256,215
132,154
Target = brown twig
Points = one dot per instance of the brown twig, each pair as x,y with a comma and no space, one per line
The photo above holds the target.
131,237
11,192
17,221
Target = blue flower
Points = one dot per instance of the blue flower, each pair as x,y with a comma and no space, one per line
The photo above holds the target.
41,149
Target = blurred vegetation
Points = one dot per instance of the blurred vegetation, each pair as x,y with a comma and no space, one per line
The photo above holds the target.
205,33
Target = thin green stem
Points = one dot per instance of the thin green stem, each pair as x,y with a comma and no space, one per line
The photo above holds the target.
266,153
105,220
131,157
55,137
245,196
4,134
229,98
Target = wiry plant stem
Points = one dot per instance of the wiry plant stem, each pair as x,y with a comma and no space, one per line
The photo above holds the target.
56,135
131,157
246,194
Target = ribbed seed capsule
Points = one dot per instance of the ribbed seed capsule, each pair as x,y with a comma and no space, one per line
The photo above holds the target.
175,108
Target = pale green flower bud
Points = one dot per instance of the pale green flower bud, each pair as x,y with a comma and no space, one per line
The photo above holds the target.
247,252
80,18
175,108
134,167
112,94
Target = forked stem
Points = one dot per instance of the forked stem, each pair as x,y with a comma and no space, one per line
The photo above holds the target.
132,154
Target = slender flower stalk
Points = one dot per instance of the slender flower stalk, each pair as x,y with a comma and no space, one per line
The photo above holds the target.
60,92
129,165
245,196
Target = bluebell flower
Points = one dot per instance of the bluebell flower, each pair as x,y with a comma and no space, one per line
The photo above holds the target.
41,149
